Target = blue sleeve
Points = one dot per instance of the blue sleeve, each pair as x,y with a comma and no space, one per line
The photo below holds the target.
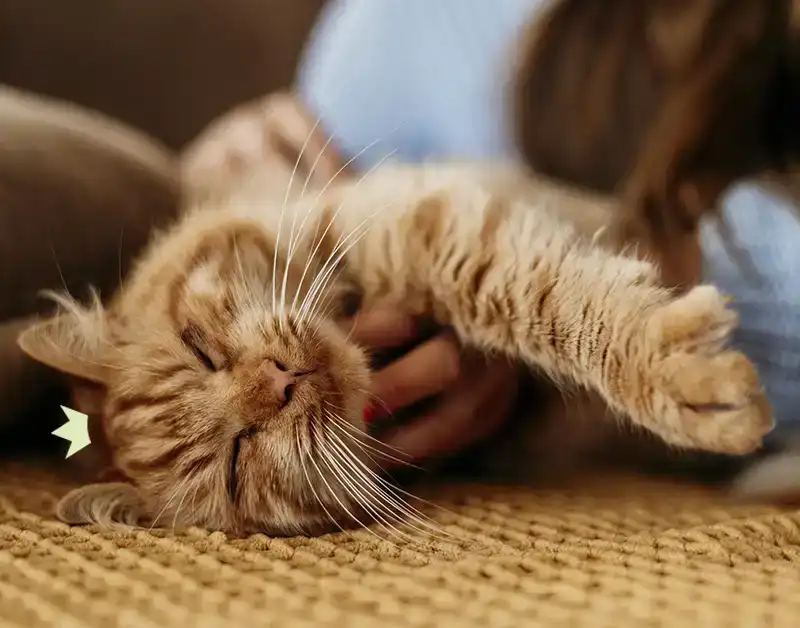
355,76
426,76
765,227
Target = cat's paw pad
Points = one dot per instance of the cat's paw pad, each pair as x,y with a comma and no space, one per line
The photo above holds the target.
701,394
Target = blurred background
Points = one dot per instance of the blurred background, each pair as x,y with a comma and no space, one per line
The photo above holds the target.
165,66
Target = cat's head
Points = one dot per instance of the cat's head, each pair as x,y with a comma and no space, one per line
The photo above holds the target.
221,406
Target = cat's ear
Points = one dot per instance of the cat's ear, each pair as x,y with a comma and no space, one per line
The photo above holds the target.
103,504
69,343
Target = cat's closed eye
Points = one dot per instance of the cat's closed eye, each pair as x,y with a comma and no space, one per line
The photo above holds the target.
192,338
233,481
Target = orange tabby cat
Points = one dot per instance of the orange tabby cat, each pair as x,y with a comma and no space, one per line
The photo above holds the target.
234,399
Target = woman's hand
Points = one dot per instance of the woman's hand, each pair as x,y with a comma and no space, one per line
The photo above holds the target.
474,394
274,134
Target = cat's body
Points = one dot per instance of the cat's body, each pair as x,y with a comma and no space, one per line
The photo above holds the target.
234,400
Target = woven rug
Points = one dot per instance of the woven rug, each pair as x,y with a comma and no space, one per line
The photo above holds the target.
613,553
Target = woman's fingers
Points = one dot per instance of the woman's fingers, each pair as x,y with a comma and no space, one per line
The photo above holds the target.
469,412
425,371
474,395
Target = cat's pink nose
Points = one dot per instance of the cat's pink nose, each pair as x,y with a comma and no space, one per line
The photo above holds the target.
282,380
283,385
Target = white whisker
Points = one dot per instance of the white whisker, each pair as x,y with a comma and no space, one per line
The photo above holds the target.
245,279
305,187
302,453
321,281
171,499
315,163
335,418
294,241
380,402
283,210
193,504
348,163
397,451
336,497
387,495
358,491
318,242
294,216
343,424
371,494
178,509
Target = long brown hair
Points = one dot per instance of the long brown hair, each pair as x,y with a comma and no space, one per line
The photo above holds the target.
666,102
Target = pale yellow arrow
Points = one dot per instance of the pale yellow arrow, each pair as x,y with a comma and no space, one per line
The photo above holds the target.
75,430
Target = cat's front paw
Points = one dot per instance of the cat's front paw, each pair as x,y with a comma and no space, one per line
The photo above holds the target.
698,393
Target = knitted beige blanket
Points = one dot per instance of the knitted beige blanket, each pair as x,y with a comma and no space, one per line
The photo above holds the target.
612,554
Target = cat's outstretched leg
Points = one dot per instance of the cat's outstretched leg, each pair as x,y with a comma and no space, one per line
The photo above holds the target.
660,359
535,290
666,366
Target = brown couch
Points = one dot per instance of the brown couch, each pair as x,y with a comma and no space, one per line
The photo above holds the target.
79,194
166,67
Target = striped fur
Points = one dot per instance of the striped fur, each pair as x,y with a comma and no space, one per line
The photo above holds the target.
514,265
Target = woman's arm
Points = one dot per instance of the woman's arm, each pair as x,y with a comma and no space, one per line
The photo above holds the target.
430,79
357,76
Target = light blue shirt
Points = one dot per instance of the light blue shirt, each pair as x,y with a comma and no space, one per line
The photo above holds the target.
429,80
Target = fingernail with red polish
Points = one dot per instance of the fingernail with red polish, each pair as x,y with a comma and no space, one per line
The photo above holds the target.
373,414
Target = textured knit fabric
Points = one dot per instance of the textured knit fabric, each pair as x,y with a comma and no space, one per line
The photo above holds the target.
611,555
428,79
